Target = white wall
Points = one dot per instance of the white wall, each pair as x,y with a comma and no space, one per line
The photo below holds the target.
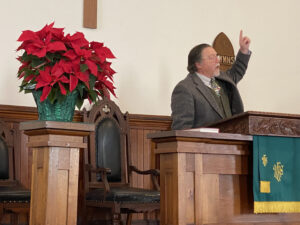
151,40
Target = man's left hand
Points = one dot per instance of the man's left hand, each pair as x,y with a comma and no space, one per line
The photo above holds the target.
244,43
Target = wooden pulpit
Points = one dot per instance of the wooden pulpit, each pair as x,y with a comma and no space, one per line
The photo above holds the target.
206,178
55,169
261,123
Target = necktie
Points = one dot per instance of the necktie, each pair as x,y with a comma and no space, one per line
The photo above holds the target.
214,85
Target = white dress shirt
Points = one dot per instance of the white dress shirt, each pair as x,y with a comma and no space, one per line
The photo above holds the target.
205,79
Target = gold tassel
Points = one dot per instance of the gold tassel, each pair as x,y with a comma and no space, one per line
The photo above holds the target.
276,207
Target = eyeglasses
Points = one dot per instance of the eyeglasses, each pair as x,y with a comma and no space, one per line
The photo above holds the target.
212,57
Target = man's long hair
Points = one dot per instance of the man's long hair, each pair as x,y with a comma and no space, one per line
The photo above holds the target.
195,55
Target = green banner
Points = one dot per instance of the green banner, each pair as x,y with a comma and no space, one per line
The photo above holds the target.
276,174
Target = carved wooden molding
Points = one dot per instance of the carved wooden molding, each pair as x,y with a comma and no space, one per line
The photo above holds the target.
276,126
261,123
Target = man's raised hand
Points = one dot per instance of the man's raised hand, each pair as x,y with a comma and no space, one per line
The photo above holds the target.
244,43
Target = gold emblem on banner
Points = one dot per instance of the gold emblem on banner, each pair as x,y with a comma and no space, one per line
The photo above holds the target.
278,171
264,160
265,187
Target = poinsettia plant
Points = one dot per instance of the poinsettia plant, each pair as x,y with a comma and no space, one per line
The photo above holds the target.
59,64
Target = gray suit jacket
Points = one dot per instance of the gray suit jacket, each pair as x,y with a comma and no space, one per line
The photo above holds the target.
193,104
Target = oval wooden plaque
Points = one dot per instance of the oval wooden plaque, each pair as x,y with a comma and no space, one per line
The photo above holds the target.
225,51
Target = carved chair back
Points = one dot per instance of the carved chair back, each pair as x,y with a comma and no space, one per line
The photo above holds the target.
108,145
14,199
6,154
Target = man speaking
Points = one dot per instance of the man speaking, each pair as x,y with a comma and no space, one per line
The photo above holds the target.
207,95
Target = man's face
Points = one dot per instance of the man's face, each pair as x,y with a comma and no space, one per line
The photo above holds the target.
210,63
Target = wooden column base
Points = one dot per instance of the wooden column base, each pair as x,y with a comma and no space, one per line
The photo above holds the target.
55,170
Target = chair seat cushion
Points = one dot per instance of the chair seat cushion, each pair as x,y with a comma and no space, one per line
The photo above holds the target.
125,194
14,194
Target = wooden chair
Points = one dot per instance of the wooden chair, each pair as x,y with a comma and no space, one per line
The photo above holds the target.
110,169
14,199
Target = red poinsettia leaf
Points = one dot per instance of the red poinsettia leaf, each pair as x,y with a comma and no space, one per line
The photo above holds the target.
56,46
108,53
92,66
46,91
64,79
57,33
108,70
84,77
82,52
57,70
45,75
45,30
105,92
76,64
28,35
94,57
73,82
87,84
62,89
100,55
110,86
21,75
48,38
29,78
24,65
86,53
77,35
39,52
40,84
37,44
23,45
67,66
70,54
104,53
95,44
79,40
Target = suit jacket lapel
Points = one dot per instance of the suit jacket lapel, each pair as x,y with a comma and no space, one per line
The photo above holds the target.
206,93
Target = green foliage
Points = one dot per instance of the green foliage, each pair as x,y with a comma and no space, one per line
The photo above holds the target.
83,67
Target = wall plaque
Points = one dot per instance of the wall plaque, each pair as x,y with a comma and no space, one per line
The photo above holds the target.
225,51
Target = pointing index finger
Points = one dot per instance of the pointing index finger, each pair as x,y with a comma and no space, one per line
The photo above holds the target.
241,35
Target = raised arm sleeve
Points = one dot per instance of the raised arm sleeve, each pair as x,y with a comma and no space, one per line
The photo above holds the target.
239,67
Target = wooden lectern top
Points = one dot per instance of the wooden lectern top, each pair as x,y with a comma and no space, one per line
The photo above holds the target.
261,123
197,135
200,142
39,127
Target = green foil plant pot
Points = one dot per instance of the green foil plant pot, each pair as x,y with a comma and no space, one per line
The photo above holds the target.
58,111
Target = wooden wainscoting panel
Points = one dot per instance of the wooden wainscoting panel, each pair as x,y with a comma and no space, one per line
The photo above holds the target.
133,155
147,159
151,122
140,154
140,157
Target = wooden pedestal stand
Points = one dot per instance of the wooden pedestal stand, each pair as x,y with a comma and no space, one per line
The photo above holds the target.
55,170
